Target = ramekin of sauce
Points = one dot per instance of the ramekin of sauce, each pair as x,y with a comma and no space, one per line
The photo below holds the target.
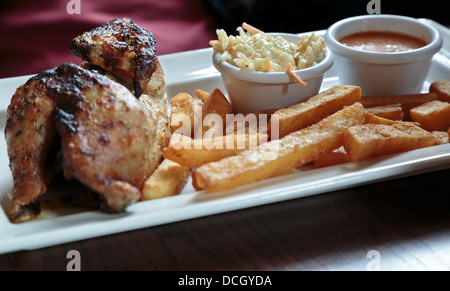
383,54
383,41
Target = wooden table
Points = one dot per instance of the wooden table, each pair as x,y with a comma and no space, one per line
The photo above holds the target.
403,224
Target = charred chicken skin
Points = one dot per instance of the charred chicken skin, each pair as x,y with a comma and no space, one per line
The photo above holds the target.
121,47
103,123
105,137
125,52
30,133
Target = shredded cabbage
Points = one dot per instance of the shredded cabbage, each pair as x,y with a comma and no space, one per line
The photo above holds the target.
257,51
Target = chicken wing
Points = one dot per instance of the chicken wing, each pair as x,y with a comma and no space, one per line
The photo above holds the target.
122,47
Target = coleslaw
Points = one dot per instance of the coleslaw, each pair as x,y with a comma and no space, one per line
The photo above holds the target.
255,50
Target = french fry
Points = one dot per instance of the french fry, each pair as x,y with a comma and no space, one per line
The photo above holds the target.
407,101
441,137
367,141
273,157
185,109
193,153
390,111
374,119
167,180
335,157
286,172
215,109
202,95
442,89
251,123
434,115
304,114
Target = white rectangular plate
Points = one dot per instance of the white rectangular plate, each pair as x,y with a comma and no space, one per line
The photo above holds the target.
186,72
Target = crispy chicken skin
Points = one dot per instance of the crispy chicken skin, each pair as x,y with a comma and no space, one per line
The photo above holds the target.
103,123
125,53
106,136
121,47
30,133
155,100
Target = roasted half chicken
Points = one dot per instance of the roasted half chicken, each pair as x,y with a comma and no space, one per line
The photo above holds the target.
104,125
125,52
104,133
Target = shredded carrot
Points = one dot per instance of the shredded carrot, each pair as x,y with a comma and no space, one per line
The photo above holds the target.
250,28
303,45
290,72
267,64
231,50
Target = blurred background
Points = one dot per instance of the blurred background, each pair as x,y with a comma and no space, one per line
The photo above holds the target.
35,35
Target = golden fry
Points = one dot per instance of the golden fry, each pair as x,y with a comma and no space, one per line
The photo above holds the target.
374,119
442,89
167,180
304,114
371,140
407,101
336,157
441,137
273,157
390,111
193,153
251,123
185,109
202,95
215,109
434,115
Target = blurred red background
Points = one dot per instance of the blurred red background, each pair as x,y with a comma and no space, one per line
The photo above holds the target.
35,35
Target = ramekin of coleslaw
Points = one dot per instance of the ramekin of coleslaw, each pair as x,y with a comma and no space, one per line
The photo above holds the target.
263,71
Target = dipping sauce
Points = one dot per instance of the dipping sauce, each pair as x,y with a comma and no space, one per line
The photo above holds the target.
382,41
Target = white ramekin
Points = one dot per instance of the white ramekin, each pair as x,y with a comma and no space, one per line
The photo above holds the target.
380,73
251,91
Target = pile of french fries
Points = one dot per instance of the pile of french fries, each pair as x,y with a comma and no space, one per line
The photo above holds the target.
336,126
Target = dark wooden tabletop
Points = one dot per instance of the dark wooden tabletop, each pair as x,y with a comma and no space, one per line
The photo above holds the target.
402,224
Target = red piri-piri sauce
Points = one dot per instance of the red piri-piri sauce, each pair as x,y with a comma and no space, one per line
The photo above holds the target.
382,41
